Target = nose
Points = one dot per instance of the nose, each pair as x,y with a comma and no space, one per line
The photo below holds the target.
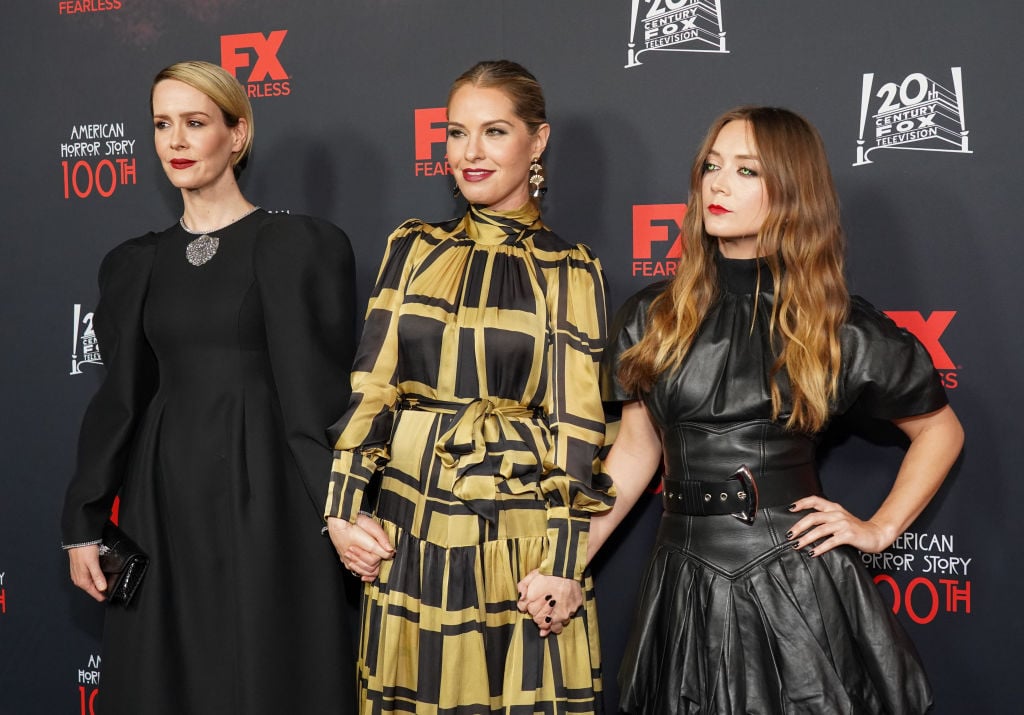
719,184
474,148
178,136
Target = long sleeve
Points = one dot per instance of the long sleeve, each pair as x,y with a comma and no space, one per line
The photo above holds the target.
574,488
361,437
110,421
305,276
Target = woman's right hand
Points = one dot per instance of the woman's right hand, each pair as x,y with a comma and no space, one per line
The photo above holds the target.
360,546
86,572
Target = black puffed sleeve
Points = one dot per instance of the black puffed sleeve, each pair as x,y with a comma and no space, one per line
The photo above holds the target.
886,372
305,272
626,331
110,421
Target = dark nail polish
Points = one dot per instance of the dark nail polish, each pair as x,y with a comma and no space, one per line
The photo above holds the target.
791,507
547,619
789,534
796,546
548,597
520,596
551,603
811,552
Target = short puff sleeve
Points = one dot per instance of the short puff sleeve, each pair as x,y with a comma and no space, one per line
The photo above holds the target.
886,372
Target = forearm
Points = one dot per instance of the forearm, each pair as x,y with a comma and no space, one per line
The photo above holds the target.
936,440
628,491
632,461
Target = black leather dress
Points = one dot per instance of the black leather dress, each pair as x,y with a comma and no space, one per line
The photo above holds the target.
730,618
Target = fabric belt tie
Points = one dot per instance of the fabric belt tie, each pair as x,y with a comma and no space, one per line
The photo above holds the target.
741,495
463,446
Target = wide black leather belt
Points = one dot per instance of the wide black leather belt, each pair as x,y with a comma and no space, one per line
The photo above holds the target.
741,495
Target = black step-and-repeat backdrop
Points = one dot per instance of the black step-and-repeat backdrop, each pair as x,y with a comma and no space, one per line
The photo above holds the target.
918,102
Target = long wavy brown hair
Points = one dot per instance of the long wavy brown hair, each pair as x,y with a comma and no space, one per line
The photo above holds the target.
801,233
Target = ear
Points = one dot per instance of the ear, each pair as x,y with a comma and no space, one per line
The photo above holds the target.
540,139
238,134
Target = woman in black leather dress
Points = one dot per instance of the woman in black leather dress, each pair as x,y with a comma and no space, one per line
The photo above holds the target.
761,605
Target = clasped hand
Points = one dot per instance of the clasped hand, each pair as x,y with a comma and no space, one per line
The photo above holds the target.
829,525
550,600
361,546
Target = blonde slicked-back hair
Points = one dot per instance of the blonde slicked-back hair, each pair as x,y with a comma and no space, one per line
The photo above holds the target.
225,91
801,234
518,84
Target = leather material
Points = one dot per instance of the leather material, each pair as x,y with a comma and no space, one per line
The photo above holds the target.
730,617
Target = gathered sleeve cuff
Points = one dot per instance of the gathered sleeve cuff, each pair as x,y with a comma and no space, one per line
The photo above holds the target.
362,436
573,486
113,415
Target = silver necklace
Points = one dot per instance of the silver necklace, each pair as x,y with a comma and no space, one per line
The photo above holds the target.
202,249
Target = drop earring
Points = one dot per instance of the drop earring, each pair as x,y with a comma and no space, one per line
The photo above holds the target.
537,187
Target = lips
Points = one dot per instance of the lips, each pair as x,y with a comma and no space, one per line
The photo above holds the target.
474,175
181,163
717,210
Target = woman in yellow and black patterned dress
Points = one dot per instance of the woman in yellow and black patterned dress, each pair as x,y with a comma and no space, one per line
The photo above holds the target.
475,420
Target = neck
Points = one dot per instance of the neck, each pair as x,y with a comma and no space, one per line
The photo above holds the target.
211,207
741,247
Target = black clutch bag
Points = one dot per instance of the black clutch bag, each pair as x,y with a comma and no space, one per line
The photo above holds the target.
123,563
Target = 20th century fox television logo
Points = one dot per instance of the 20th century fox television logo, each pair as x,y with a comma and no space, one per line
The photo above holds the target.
915,113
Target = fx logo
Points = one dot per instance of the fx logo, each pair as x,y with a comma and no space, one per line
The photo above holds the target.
928,331
237,51
658,223
661,224
431,128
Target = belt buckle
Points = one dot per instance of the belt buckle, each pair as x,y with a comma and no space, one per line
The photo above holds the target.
748,491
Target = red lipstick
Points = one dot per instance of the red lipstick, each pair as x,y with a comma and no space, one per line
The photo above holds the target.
476,174
717,210
182,163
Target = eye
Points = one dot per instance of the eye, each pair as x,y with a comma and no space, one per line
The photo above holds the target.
455,133
708,167
747,171
194,123
496,131
160,124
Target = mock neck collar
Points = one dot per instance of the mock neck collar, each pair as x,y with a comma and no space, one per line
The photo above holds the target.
739,275
490,227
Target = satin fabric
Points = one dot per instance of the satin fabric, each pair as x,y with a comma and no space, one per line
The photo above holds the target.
476,419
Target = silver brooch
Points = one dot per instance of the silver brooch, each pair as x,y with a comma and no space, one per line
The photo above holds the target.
202,249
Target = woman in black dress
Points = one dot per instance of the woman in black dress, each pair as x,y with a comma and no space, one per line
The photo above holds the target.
755,600
227,338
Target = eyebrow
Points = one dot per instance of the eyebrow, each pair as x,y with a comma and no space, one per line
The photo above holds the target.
749,157
488,123
192,113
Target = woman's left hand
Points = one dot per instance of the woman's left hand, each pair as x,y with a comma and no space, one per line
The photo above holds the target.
831,525
550,600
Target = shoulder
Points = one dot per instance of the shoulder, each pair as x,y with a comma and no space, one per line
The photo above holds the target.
289,238
134,255
640,302
299,228
631,318
552,248
416,228
864,320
